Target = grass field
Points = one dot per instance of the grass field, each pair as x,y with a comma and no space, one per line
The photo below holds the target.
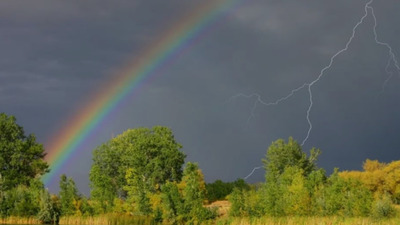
113,220
307,221
223,219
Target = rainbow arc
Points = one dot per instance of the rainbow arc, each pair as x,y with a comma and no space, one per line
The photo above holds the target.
150,62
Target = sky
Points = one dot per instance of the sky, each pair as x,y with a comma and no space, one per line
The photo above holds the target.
54,54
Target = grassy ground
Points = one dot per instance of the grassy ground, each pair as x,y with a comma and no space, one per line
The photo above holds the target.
223,219
76,220
105,220
19,220
307,221
111,220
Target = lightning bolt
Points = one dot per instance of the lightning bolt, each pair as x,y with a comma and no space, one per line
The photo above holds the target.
369,10
254,169
392,56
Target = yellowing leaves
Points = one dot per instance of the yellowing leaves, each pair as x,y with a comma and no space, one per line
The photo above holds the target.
380,178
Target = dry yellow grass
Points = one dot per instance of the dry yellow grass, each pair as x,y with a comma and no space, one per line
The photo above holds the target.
108,219
121,219
19,220
222,206
308,221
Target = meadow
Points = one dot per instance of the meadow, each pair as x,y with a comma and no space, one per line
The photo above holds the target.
125,220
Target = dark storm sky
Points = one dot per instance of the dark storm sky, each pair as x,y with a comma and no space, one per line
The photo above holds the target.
53,54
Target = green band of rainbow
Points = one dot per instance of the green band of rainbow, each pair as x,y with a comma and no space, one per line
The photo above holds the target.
85,121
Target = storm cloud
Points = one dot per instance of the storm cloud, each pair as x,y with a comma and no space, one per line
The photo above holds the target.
56,53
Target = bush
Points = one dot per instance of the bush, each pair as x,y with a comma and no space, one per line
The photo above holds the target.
49,213
20,201
383,208
219,190
237,203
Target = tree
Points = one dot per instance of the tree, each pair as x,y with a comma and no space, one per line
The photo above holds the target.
315,184
219,190
346,197
172,203
21,157
68,196
281,155
296,198
194,187
380,178
138,191
151,156
22,200
49,212
287,188
237,200
194,192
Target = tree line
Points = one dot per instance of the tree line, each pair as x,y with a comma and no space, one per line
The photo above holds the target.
295,186
142,173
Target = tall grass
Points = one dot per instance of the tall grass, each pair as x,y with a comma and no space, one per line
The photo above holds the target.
114,219
19,220
306,221
109,219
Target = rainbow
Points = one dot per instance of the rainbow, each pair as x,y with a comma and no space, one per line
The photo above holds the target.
161,53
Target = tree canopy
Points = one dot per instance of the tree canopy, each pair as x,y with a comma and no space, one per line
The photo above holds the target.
152,157
281,155
21,157
380,178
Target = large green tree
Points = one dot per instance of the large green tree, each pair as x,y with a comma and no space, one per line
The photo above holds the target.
152,156
21,157
281,155
287,171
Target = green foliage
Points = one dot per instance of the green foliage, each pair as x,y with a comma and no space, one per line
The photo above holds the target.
288,193
49,211
193,192
295,187
24,203
316,181
291,178
68,196
246,203
172,203
140,173
21,158
383,208
219,190
138,191
85,208
103,189
183,202
22,200
237,203
296,198
380,178
253,203
281,155
97,207
346,197
151,156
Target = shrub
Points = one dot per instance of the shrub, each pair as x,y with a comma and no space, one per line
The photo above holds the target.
383,208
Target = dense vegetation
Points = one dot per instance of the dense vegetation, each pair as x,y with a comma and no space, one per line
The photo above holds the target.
141,174
295,186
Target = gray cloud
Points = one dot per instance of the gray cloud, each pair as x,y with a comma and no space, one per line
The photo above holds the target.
54,54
